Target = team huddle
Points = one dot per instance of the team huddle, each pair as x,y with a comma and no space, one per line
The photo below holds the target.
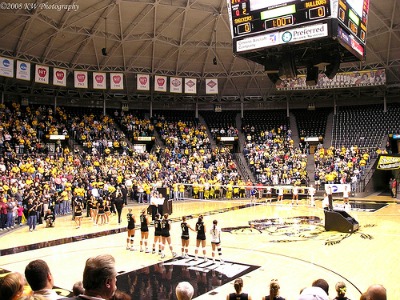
162,237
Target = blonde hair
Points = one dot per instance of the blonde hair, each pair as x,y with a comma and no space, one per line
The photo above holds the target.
11,286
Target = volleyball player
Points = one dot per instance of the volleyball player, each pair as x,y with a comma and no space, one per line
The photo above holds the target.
144,231
215,232
131,230
165,235
157,234
185,237
201,237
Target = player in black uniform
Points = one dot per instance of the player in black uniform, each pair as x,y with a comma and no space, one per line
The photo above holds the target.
238,285
144,231
157,234
201,237
165,236
185,237
131,230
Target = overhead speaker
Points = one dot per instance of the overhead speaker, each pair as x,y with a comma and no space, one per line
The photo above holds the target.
287,69
312,76
215,61
104,51
274,77
332,69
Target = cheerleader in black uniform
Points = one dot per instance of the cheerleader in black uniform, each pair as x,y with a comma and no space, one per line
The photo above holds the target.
131,230
144,231
78,214
107,212
100,212
185,237
201,237
157,234
165,236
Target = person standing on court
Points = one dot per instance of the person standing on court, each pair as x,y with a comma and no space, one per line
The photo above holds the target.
201,237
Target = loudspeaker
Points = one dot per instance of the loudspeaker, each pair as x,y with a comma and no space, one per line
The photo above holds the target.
274,77
338,220
104,51
312,76
214,61
332,68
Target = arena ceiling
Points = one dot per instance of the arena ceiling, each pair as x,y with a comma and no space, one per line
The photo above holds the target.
166,37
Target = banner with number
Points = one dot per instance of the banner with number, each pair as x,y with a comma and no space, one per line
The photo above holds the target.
6,67
160,83
80,79
23,70
42,74
175,85
116,81
143,82
99,81
59,77
190,86
211,86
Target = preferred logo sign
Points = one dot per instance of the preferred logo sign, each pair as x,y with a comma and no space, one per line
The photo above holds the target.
160,83
80,79
42,74
23,70
99,81
143,82
60,77
116,81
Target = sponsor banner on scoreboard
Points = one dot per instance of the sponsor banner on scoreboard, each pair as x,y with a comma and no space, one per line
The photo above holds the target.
80,79
6,67
190,86
99,81
175,85
341,80
283,37
116,81
23,70
143,82
160,83
388,162
211,86
42,74
60,77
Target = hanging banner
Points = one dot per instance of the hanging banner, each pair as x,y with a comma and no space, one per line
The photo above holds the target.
143,82
59,77
160,83
6,67
175,85
211,86
42,74
23,70
388,162
80,79
190,86
99,81
116,81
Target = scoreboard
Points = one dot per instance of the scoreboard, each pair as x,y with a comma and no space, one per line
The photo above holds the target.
260,26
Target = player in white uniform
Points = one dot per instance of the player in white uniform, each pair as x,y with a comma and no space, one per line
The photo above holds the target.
215,232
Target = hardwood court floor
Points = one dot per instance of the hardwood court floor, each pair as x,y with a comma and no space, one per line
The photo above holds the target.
292,252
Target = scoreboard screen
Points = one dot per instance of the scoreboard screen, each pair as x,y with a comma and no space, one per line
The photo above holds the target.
353,15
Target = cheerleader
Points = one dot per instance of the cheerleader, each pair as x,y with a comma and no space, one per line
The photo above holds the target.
185,237
107,212
215,232
165,235
157,234
131,230
100,212
144,231
78,214
201,237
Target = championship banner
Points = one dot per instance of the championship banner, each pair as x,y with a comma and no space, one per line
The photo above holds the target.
160,83
23,70
212,86
143,82
341,80
80,79
59,77
42,74
190,86
116,81
6,67
99,81
388,162
175,85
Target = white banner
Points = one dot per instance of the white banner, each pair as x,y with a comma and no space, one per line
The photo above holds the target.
337,188
42,74
212,86
190,86
80,79
23,70
175,85
6,67
160,83
99,81
60,77
143,82
116,81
